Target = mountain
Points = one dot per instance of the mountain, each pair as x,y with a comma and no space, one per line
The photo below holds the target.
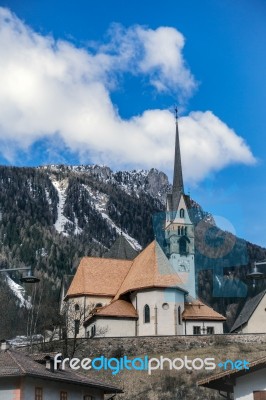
51,216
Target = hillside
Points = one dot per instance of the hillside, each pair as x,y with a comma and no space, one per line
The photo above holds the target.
51,216
164,383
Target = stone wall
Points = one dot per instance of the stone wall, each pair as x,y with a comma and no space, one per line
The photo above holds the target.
131,346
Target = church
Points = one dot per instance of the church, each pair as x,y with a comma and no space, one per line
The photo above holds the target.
147,294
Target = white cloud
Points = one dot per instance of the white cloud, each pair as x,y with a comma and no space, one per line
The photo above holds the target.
210,145
50,87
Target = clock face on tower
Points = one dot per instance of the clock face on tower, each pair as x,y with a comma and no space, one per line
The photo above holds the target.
183,266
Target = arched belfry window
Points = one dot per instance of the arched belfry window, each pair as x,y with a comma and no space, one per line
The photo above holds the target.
182,213
179,316
147,314
182,246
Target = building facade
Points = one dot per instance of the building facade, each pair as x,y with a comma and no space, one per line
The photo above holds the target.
243,384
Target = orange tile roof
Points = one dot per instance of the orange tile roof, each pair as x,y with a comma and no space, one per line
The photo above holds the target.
98,276
118,308
196,310
150,269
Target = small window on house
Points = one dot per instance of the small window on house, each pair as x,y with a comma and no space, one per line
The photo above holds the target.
259,395
38,393
147,316
76,307
210,330
196,330
182,213
98,305
63,395
179,316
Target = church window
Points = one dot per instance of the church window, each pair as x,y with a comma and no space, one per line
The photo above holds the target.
182,246
182,231
147,316
179,316
182,213
179,231
165,306
76,326
196,330
93,330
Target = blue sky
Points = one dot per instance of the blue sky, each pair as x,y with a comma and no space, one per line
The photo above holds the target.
85,82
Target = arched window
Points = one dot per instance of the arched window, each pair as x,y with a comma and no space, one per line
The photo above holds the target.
182,231
179,231
182,213
147,316
76,307
182,245
179,316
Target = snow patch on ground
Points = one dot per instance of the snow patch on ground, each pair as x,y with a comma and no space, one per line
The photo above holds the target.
134,243
61,187
19,292
100,200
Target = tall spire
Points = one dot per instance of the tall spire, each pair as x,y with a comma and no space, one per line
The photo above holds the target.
178,186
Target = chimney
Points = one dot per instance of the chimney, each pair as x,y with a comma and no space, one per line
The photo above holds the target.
49,363
4,345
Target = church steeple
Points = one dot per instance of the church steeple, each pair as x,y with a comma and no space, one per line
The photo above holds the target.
178,185
179,228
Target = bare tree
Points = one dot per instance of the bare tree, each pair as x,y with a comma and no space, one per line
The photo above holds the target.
73,316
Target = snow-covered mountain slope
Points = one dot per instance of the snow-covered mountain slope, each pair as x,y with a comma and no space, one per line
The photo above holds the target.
99,180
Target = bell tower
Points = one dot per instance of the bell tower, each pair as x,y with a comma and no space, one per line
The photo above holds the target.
179,228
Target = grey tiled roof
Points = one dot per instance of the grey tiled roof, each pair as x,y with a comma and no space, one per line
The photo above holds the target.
121,250
247,311
15,363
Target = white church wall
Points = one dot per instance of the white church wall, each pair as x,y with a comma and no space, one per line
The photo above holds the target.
112,327
86,304
163,304
203,325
